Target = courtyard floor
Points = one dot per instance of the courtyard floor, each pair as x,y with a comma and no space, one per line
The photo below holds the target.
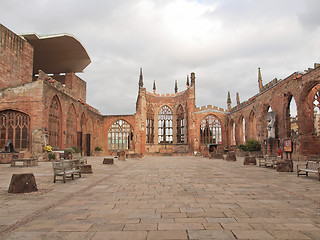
162,198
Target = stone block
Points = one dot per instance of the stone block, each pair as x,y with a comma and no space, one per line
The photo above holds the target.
86,169
23,183
284,166
108,160
249,160
231,156
216,156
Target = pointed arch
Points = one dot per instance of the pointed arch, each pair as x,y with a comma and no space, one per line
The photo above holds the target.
14,126
71,126
180,125
55,119
165,125
316,109
242,130
232,132
150,125
252,132
291,117
210,130
120,136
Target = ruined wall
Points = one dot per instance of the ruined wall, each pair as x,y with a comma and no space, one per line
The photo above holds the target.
77,85
106,123
16,59
277,95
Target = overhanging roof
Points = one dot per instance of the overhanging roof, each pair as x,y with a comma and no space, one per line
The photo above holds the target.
60,53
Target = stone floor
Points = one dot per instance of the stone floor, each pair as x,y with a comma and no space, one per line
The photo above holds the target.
162,198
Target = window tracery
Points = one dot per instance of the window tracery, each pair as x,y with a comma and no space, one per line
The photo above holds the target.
120,136
150,125
54,122
165,125
14,126
180,125
210,130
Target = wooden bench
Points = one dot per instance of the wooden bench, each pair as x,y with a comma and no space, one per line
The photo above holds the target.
267,161
24,162
309,167
66,169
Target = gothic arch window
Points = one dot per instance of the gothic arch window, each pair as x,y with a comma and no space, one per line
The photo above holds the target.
252,133
210,130
232,130
316,111
292,118
242,130
71,126
180,125
54,127
165,125
150,125
120,136
14,126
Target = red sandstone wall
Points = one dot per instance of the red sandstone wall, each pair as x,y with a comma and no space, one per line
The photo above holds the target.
277,97
77,85
16,59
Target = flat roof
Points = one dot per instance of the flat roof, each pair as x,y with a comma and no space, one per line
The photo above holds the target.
59,53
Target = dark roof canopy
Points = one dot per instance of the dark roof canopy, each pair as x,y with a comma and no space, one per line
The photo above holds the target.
60,53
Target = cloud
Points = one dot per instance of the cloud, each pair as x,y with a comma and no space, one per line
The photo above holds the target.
223,42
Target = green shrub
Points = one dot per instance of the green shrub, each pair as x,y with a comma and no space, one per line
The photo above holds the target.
51,156
76,149
69,150
251,145
98,149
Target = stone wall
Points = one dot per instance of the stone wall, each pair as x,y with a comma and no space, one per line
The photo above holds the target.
16,59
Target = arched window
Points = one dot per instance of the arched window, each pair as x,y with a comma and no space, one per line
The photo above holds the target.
14,126
316,110
120,136
150,125
180,125
232,131
210,130
165,125
252,133
71,126
293,118
242,130
54,122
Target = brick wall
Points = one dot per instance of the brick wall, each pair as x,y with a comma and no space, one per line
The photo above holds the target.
16,59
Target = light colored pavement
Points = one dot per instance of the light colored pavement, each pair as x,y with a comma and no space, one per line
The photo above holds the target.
163,198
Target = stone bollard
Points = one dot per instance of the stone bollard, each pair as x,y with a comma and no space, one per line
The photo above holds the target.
23,183
86,169
284,166
108,160
231,156
249,160
216,156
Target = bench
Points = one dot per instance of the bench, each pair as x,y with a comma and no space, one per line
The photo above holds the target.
66,169
267,161
24,162
309,167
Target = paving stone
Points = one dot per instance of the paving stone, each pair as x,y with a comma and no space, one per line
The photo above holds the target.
210,234
120,235
252,234
167,235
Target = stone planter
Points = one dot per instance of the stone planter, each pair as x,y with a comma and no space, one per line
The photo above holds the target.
231,156
249,160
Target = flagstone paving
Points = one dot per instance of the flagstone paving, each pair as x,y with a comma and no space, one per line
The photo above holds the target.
181,197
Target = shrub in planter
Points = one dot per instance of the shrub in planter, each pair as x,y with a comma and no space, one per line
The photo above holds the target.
251,145
51,156
76,149
98,149
68,153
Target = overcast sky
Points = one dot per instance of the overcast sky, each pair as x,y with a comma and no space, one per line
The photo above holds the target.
223,42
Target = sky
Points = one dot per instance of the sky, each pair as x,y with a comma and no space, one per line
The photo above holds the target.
223,41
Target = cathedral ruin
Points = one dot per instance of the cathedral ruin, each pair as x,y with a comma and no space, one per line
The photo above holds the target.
43,102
